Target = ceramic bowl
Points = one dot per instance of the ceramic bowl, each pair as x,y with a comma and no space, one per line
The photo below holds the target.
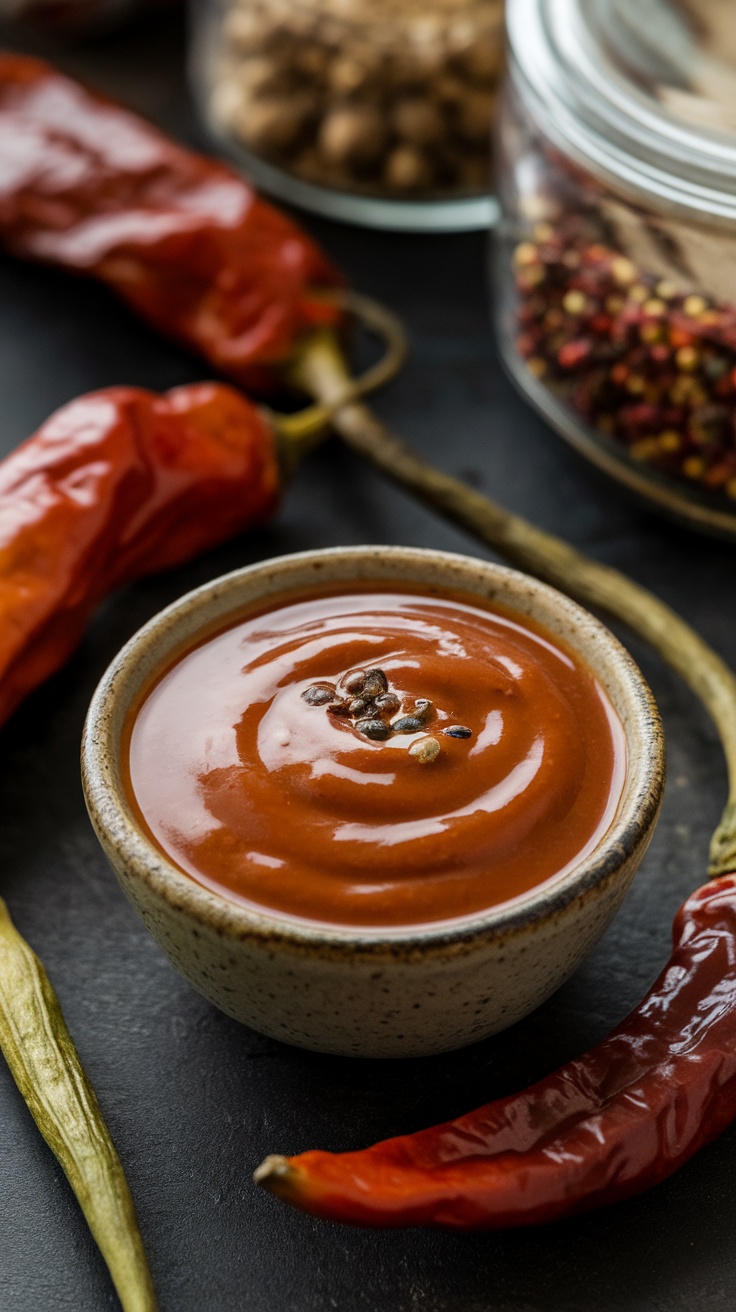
388,993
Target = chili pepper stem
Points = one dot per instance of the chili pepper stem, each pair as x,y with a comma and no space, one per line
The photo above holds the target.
299,433
277,1175
44,1063
323,372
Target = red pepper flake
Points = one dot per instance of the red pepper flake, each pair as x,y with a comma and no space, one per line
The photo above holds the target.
574,353
601,324
679,338
660,353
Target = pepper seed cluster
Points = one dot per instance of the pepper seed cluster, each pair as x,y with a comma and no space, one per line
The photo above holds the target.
365,698
389,97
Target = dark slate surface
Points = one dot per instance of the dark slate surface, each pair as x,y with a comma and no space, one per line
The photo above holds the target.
194,1100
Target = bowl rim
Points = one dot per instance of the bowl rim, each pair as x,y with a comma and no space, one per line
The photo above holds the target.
132,668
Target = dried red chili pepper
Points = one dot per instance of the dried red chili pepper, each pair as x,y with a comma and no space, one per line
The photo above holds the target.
608,1125
90,186
116,485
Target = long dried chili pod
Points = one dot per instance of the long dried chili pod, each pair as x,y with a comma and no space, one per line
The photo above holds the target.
610,1124
113,486
90,186
45,1065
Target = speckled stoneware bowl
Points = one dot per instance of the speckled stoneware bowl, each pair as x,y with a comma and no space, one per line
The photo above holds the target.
359,992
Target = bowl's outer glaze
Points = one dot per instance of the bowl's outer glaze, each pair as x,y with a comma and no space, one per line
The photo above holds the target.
361,993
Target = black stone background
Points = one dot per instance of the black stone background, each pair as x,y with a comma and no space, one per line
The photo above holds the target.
194,1100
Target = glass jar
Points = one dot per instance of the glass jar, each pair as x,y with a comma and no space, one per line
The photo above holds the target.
616,250
375,111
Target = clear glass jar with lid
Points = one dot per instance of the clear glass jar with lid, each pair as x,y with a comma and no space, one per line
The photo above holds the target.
616,250
376,111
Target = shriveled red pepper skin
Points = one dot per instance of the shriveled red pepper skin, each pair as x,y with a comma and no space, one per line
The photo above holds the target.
608,1125
115,485
92,187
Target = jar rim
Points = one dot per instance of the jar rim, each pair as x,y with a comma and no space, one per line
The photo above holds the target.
595,112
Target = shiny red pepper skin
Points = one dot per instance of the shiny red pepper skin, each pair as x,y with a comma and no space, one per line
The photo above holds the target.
90,186
116,485
610,1124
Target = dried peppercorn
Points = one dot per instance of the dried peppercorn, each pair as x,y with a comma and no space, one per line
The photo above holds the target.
648,365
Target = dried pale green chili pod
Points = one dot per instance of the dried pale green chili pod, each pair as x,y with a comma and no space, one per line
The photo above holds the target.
45,1065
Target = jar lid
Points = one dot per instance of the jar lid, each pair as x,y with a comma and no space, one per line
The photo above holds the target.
641,92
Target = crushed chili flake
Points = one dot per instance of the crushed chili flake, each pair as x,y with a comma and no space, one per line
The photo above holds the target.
643,362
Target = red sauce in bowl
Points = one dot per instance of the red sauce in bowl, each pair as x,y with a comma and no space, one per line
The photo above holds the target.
275,796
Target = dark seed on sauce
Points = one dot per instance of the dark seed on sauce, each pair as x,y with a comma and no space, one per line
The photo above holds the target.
376,729
387,702
318,694
375,683
408,724
423,709
458,731
353,683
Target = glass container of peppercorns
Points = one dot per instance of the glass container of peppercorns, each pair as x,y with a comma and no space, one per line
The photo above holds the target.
616,250
374,111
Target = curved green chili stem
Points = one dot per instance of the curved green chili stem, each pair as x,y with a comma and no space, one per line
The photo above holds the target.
44,1063
322,373
301,431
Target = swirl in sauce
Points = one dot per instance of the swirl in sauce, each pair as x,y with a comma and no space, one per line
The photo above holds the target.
285,806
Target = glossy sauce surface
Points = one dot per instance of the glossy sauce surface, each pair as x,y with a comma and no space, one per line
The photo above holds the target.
286,806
